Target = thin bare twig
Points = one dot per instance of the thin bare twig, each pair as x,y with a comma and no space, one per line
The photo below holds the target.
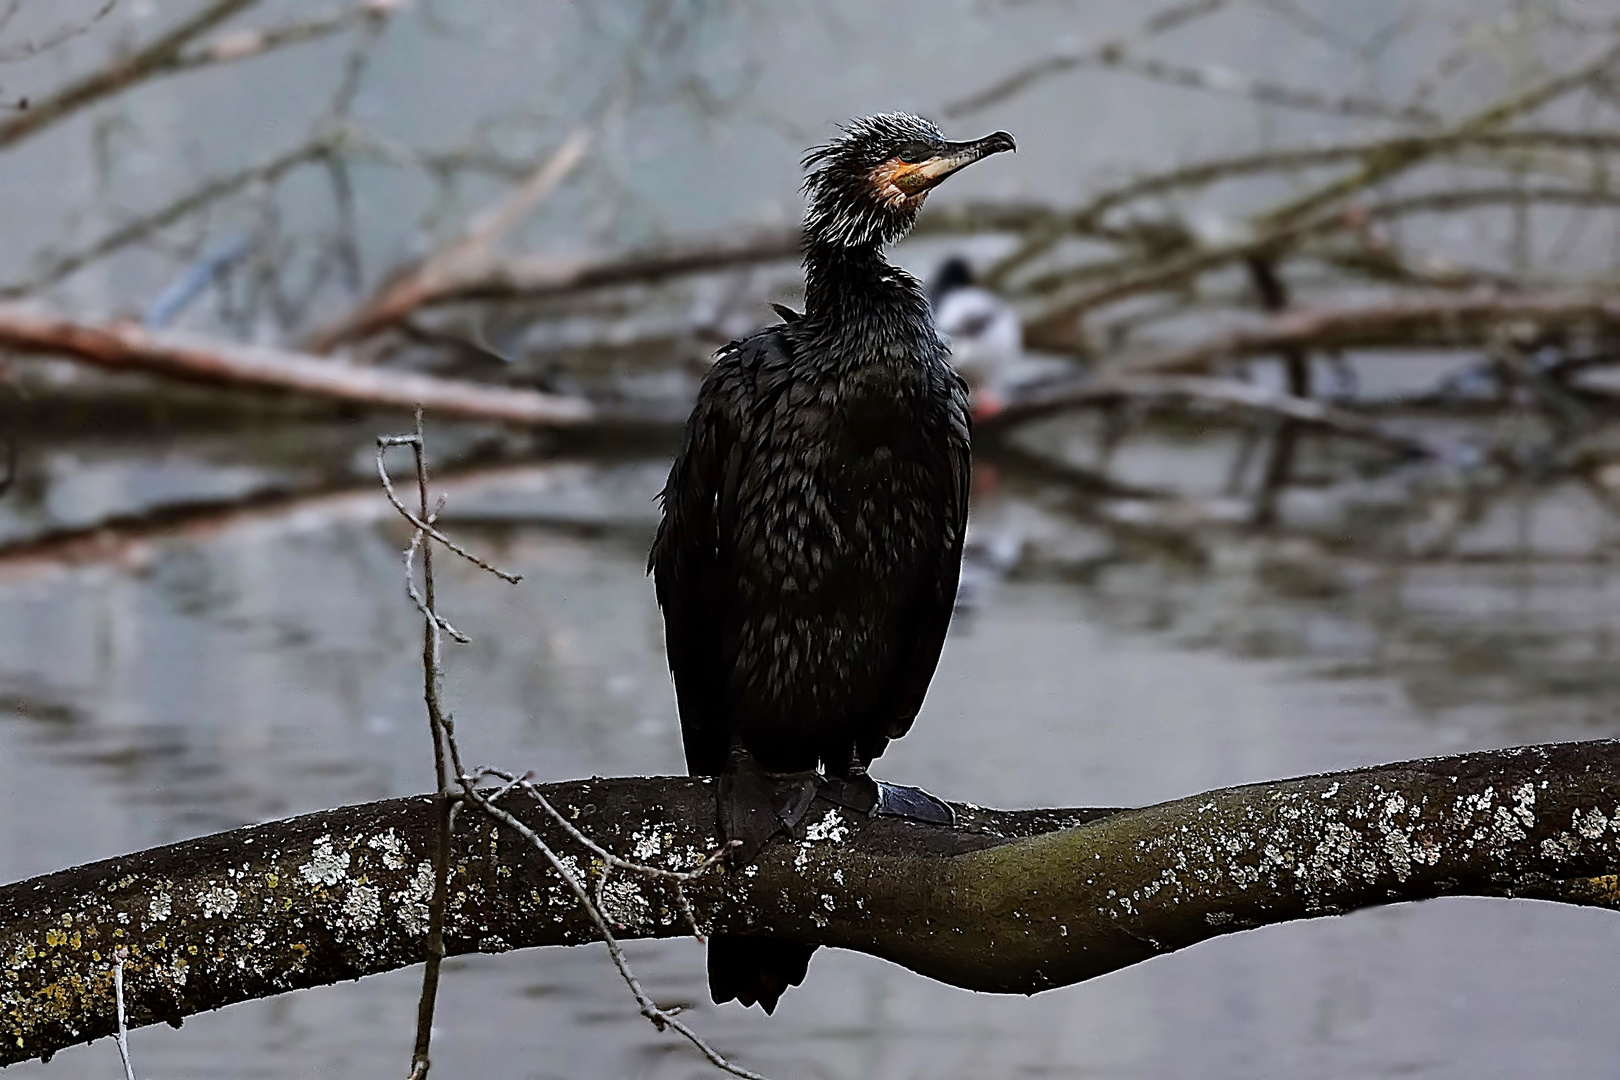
22,50
1216,79
441,727
610,861
158,57
1075,55
245,44
660,1017
423,524
58,267
118,999
447,764
438,725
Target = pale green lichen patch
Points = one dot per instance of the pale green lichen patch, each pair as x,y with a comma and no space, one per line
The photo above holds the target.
219,902
411,903
253,920
395,855
326,866
361,910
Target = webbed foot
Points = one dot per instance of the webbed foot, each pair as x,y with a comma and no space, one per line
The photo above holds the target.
754,805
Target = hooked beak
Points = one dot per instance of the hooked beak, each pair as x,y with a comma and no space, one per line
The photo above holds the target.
954,157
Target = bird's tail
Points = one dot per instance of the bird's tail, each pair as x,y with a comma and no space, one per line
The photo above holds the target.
755,969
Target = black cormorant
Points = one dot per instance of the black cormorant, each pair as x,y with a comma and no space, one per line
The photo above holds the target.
811,540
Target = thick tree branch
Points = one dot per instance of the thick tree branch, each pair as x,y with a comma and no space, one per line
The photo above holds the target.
1011,902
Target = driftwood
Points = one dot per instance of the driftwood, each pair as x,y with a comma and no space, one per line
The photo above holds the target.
1007,902
123,346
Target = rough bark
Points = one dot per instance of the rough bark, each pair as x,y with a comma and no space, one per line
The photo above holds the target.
1011,902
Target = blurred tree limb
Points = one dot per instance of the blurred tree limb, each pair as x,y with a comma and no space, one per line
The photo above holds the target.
174,51
158,56
1007,902
1433,320
126,347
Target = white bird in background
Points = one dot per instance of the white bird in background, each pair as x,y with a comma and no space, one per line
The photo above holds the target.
987,348
983,331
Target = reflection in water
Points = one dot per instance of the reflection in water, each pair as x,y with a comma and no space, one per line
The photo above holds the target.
269,667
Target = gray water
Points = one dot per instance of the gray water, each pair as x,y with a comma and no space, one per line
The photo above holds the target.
268,666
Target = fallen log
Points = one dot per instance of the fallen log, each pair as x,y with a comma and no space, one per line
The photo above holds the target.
1005,902
126,347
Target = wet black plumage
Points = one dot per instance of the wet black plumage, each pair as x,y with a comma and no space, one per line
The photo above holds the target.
811,539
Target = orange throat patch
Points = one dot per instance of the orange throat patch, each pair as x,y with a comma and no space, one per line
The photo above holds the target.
889,180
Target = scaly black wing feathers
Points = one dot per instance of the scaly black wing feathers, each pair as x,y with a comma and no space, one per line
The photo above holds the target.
931,610
691,551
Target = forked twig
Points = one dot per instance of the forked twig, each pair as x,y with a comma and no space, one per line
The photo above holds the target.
448,770
425,526
610,861
660,1017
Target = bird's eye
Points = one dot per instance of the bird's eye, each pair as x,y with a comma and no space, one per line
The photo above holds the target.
913,152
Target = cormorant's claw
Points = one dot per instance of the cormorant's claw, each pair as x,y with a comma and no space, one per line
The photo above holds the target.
876,798
754,805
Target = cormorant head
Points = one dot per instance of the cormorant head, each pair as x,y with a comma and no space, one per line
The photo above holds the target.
866,186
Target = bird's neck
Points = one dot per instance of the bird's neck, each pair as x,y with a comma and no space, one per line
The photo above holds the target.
854,289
